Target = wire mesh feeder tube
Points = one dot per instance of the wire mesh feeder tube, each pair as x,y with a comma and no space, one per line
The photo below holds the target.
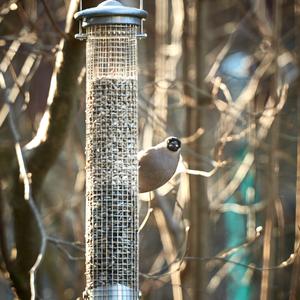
111,162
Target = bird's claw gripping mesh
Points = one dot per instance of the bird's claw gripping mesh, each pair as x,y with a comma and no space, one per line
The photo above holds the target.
111,163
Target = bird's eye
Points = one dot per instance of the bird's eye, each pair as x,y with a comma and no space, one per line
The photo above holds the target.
173,144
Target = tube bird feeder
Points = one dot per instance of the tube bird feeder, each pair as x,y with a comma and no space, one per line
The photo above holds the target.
111,31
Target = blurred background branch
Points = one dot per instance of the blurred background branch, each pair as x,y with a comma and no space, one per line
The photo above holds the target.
222,76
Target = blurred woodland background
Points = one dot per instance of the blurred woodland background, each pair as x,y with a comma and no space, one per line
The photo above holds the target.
220,74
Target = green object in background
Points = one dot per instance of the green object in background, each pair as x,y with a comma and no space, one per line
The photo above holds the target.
239,287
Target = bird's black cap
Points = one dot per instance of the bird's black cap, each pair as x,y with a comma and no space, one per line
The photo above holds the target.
173,144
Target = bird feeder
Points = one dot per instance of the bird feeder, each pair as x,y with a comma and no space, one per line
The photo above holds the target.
111,31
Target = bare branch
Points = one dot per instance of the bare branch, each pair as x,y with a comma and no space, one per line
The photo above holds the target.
24,174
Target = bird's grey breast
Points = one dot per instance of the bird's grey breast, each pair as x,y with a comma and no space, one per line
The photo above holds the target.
156,167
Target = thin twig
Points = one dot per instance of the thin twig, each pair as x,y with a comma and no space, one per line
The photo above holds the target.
144,222
180,259
68,255
76,245
54,24
284,264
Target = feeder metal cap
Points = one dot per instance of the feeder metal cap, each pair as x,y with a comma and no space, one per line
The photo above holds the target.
111,12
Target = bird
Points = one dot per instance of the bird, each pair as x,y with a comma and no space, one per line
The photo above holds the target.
158,164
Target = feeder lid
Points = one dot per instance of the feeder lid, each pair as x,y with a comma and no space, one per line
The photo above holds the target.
111,12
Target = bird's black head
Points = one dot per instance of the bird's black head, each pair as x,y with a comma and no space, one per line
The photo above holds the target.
173,144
